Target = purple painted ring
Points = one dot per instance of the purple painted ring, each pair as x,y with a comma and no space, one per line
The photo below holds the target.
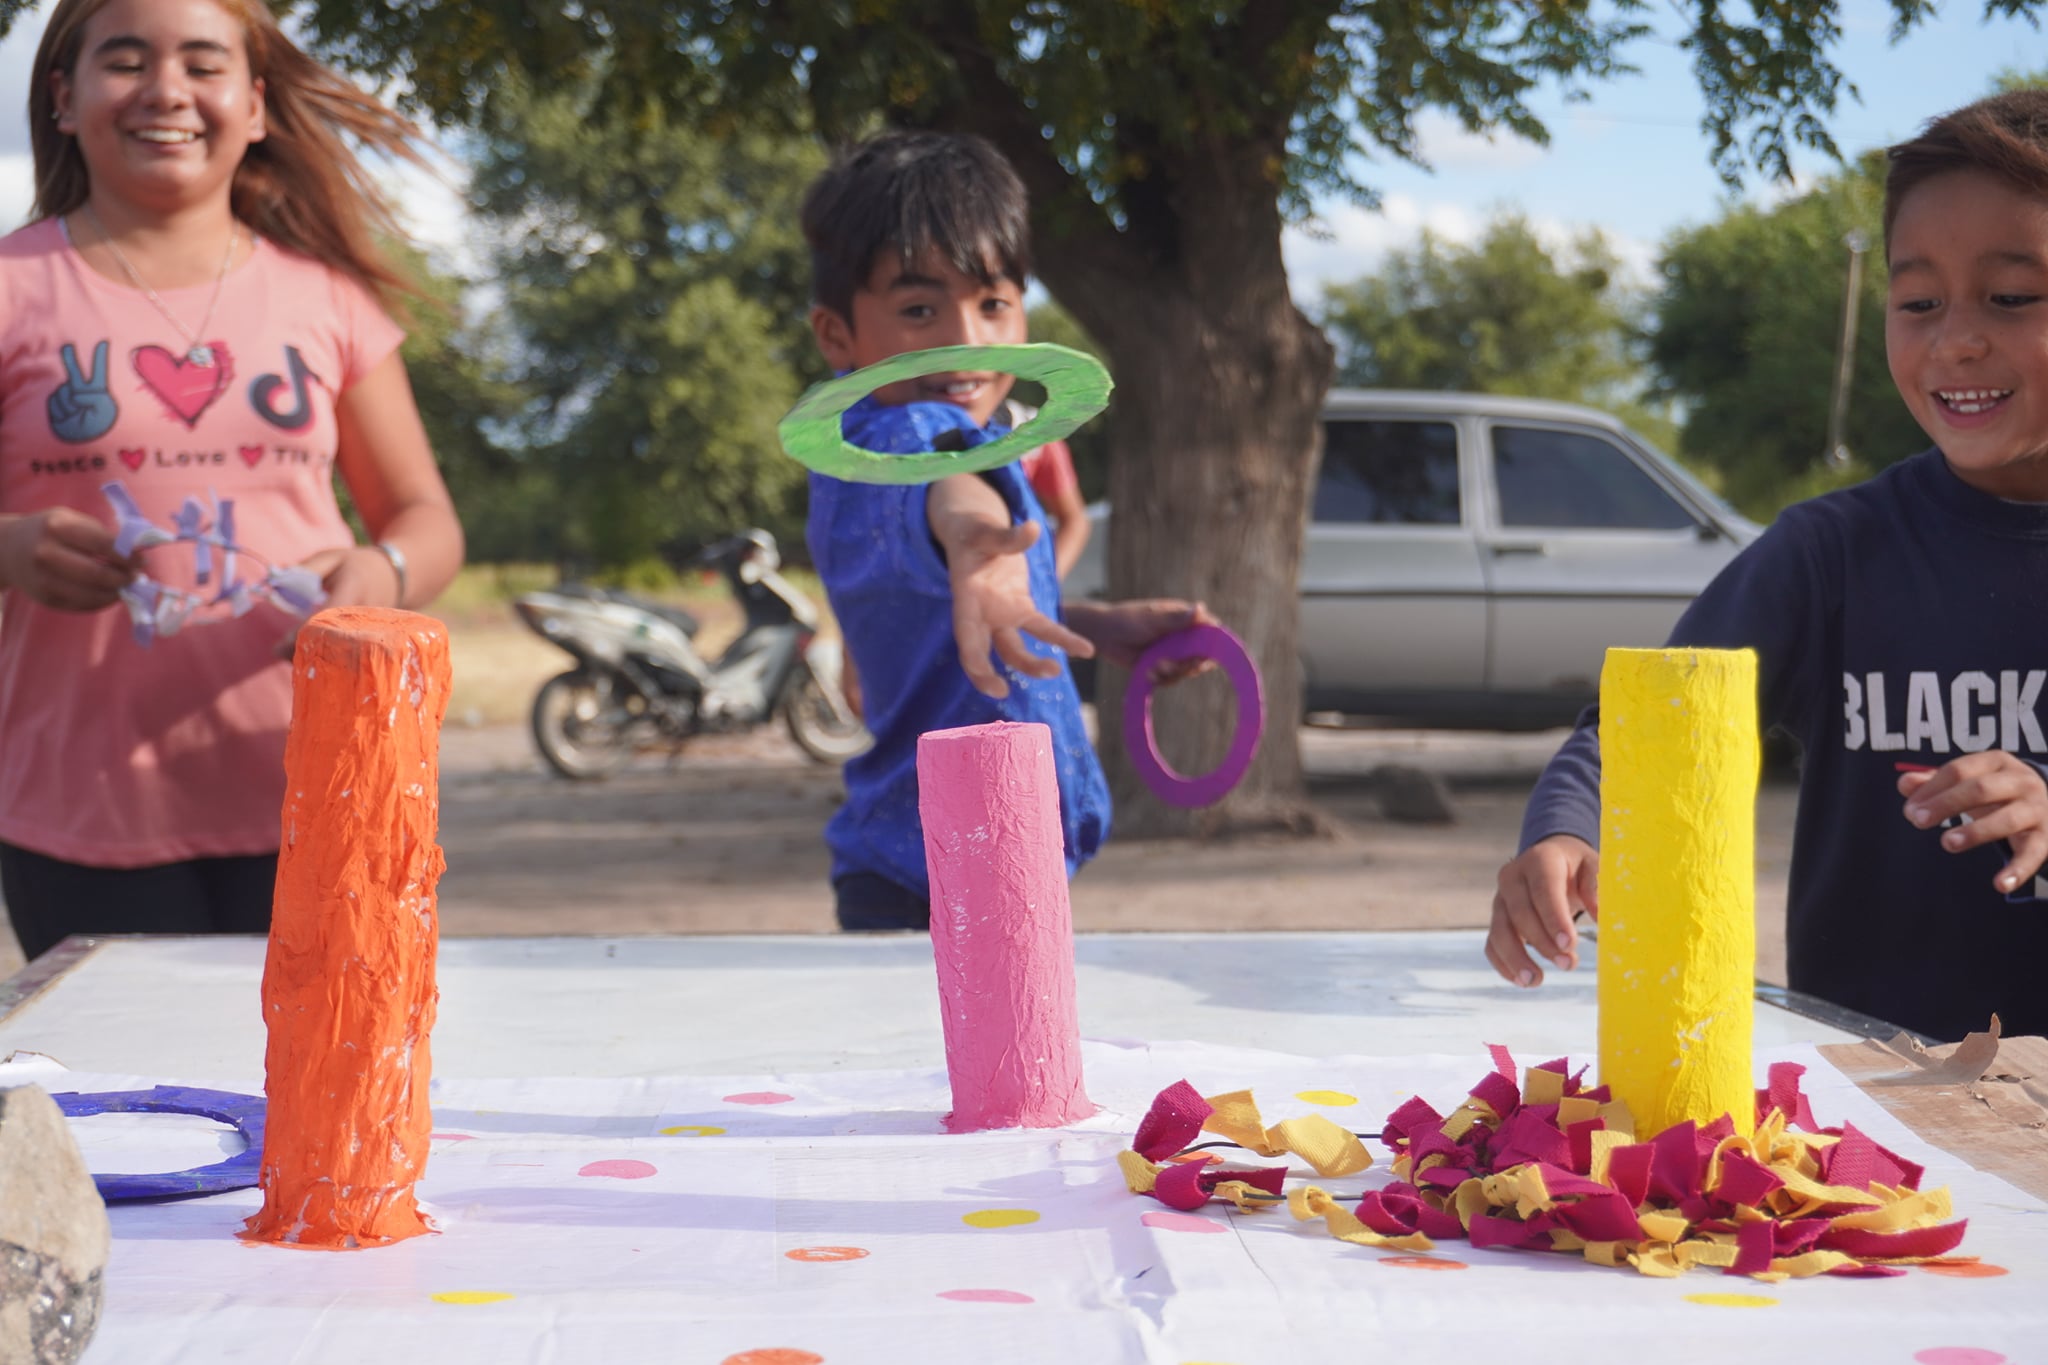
1228,653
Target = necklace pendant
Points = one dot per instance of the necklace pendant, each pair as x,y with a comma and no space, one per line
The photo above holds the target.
201,354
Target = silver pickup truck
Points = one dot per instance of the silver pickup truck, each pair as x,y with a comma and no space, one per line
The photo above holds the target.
1470,558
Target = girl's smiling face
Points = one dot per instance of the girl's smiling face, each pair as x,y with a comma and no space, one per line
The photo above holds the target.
1966,327
162,101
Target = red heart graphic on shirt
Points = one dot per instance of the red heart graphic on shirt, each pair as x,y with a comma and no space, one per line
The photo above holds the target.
134,458
251,455
186,388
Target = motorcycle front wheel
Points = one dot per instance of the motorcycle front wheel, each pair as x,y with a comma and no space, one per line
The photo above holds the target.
578,728
816,725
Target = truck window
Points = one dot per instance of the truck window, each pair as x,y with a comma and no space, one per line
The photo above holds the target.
1389,472
1552,478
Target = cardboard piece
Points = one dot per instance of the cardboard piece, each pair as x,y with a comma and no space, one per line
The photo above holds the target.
348,985
1989,1109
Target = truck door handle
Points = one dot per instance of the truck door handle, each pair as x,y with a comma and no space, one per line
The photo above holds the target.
1503,548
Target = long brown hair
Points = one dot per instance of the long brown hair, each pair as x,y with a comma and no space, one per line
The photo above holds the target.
302,186
2003,135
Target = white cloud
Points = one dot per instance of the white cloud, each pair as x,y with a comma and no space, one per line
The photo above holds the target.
17,66
17,190
1446,144
1348,242
433,210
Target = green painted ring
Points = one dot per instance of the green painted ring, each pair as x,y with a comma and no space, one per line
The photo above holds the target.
1076,388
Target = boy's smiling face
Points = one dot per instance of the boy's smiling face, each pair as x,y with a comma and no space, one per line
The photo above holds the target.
930,302
1966,327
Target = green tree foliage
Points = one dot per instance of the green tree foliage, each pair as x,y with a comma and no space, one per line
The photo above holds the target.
469,407
1507,314
656,280
1747,331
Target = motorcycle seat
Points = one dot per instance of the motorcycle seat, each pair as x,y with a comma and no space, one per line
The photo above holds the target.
676,616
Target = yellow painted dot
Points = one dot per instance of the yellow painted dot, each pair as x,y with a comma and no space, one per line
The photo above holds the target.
471,1296
1732,1300
691,1130
1336,1099
999,1218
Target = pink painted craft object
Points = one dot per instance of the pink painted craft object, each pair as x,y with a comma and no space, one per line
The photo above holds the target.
1229,654
1002,931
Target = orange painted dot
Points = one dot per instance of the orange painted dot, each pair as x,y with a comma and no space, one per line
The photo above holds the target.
1194,1159
823,1254
471,1296
775,1355
692,1130
1967,1270
1423,1263
1732,1300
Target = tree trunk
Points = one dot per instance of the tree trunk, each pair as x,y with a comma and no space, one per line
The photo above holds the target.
1220,384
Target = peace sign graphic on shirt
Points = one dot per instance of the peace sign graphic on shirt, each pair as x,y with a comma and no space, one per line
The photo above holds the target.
81,408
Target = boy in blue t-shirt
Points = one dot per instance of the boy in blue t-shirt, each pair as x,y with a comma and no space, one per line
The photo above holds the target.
921,240
1897,626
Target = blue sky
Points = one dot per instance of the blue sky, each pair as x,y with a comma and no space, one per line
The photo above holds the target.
1631,161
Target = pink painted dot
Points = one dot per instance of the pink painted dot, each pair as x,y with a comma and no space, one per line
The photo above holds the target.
619,1169
986,1296
1959,1355
1180,1222
450,1137
760,1097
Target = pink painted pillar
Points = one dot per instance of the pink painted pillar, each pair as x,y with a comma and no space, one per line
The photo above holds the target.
1002,930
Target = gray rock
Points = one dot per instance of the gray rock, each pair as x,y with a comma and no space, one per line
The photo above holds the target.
53,1235
1412,795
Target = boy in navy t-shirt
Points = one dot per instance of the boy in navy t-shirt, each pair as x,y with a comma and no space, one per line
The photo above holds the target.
946,593
1901,629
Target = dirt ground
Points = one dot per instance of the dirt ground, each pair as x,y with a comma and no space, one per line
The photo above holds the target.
726,840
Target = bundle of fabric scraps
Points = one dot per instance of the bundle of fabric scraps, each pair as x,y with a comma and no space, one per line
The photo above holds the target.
1548,1164
157,610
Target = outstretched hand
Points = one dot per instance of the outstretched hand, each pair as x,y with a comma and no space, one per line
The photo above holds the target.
63,559
1538,893
1997,796
993,609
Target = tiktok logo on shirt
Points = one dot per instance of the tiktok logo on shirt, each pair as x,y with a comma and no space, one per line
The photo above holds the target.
1972,713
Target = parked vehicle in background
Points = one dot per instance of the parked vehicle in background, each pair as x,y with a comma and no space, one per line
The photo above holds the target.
1470,558
640,683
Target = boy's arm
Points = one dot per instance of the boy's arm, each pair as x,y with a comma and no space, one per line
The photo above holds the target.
1121,631
991,581
1771,598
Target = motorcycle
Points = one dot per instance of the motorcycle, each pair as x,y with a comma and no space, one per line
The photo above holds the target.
641,684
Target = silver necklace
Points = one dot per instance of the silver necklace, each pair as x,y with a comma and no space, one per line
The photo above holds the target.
196,350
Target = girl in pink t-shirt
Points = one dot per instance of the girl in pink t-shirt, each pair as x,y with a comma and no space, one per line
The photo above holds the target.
195,313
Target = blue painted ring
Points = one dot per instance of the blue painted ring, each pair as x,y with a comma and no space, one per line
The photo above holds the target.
243,1113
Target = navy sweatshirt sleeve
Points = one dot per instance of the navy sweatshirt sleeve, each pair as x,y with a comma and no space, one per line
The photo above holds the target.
1773,598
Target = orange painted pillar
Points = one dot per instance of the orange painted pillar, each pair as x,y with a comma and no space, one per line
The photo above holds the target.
348,987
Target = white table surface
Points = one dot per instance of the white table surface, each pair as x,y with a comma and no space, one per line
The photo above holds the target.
188,1008
546,1257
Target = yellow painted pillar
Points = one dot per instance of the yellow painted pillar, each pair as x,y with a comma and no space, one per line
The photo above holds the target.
1678,761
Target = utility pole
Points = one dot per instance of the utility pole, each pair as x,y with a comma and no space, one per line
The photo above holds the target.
1837,456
